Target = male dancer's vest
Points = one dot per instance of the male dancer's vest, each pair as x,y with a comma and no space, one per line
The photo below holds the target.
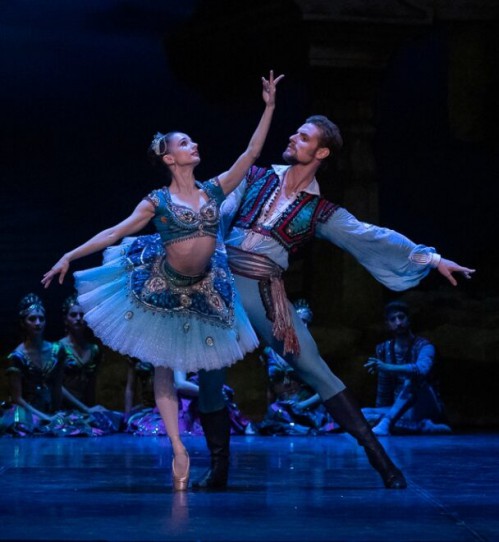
297,223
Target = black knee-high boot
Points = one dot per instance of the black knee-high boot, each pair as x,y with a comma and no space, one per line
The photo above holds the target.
216,427
346,412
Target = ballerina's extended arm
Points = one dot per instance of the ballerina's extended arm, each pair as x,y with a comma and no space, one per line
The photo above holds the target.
231,178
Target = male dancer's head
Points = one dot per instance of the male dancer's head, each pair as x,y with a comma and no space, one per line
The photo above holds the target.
314,141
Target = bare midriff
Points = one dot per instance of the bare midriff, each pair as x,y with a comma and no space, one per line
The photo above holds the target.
191,256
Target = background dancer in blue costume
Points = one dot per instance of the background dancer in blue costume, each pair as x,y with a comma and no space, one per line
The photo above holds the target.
407,396
294,408
34,370
81,367
169,299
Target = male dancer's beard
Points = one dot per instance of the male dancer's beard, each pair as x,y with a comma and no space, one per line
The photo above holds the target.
291,160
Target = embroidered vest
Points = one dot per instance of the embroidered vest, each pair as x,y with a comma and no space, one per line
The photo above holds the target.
297,223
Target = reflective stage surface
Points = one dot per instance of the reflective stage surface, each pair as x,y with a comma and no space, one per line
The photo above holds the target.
118,488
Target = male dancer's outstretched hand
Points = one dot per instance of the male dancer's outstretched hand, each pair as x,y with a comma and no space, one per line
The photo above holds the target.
447,267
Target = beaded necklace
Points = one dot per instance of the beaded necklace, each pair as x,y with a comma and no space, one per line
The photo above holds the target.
268,215
265,212
254,236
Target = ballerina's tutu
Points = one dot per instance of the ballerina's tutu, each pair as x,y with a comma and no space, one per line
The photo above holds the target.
137,305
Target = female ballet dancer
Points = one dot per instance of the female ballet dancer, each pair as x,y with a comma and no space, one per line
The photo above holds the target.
169,299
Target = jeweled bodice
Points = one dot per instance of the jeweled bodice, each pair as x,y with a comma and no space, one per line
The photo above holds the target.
80,373
39,383
176,222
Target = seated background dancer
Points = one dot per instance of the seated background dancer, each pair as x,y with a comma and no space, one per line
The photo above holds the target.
407,399
294,409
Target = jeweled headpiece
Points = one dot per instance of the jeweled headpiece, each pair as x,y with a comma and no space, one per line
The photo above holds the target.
68,303
159,144
29,303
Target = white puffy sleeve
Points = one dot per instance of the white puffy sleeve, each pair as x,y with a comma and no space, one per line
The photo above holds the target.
390,257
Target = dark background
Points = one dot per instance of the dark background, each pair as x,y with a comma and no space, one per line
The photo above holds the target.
85,85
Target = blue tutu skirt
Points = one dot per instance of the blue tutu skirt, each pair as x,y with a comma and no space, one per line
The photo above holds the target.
137,306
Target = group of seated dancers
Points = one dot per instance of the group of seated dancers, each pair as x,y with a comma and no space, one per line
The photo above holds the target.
52,386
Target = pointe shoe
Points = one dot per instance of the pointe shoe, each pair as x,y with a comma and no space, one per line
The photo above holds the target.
181,483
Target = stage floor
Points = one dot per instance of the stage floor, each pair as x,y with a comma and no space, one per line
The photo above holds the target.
289,489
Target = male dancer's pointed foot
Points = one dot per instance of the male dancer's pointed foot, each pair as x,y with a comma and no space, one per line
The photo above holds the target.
181,479
395,480
346,412
392,476
380,461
